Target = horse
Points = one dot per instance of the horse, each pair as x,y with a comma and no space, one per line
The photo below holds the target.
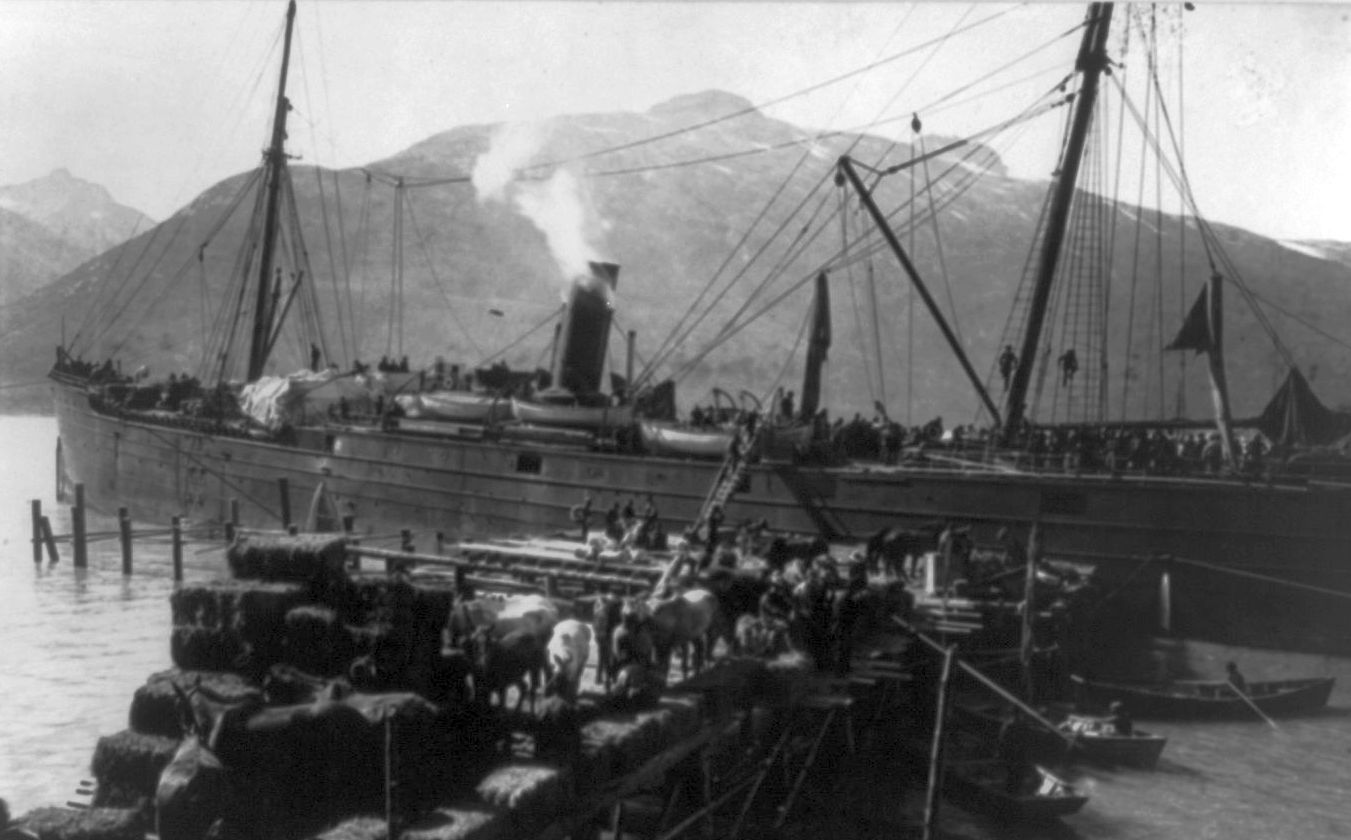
516,659
686,620
566,654
889,549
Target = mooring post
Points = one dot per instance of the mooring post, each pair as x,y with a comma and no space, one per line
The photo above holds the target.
293,529
124,530
77,529
50,540
284,490
176,530
936,748
232,526
37,531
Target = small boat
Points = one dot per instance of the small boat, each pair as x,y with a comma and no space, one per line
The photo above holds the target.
1210,698
1079,736
666,438
981,785
1099,742
573,416
456,406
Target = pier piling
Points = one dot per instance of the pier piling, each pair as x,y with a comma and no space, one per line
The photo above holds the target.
124,529
81,549
37,531
176,531
284,491
45,526
232,527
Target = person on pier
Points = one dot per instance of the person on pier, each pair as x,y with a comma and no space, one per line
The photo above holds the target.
1236,679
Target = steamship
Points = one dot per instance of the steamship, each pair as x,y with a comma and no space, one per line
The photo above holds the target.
1252,561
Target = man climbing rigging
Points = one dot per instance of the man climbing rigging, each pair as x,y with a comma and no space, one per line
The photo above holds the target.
1008,363
1069,365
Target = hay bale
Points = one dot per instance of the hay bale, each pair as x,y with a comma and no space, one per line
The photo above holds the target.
315,641
685,714
127,766
154,707
304,558
462,821
423,603
534,793
87,823
788,679
224,602
624,741
359,827
203,649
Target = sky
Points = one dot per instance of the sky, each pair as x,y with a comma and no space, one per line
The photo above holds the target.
157,101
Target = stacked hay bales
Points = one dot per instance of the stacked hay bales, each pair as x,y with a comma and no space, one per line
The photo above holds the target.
315,762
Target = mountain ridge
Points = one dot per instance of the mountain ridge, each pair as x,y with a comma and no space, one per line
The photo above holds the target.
671,225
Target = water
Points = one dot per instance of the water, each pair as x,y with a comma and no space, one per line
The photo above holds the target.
79,644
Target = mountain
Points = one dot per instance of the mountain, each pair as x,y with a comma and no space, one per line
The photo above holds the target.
50,225
672,226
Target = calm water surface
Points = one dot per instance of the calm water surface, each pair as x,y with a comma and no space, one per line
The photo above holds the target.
78,645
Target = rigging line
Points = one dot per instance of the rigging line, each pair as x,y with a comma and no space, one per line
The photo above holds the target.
1336,593
938,243
1116,219
112,272
730,326
109,321
913,75
1152,71
431,268
733,330
414,183
1211,241
364,233
1181,216
393,180
536,328
667,344
843,213
766,104
1028,114
332,262
1135,269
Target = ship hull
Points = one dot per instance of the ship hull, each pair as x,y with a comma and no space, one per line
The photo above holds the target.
468,487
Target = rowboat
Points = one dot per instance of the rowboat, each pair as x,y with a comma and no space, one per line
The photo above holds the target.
456,406
1079,736
572,416
1210,698
1099,742
665,438
981,785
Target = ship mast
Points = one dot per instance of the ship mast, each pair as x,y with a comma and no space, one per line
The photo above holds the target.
1091,62
274,165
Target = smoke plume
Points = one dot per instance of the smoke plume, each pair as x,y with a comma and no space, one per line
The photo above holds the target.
556,205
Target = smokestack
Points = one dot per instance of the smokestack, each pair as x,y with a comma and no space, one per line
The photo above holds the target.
582,344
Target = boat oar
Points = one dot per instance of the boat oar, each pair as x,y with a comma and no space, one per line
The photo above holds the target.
1246,699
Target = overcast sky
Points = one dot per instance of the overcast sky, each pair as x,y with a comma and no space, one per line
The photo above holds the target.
159,100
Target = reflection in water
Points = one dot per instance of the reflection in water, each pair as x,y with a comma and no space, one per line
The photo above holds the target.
78,644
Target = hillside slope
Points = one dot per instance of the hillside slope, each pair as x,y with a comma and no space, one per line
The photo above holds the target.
672,227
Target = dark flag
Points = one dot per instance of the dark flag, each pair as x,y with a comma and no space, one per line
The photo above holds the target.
1195,333
657,402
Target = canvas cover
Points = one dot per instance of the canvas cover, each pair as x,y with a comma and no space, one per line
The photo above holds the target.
1296,417
300,398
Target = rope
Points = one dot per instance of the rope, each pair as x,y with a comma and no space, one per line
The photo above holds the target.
1336,593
